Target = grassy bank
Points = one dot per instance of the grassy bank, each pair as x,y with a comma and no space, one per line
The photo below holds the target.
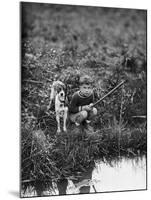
69,155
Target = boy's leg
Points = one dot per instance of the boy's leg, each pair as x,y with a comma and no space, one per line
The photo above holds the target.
79,117
91,115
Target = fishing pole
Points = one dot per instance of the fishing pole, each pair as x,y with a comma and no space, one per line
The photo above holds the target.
110,92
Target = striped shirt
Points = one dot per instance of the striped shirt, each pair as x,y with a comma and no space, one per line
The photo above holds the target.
78,100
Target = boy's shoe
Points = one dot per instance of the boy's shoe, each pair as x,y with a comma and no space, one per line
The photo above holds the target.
78,120
89,130
88,121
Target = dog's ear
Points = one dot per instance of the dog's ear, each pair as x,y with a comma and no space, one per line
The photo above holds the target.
55,86
63,87
58,89
66,94
66,101
66,88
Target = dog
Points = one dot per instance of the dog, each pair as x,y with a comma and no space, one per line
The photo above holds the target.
58,94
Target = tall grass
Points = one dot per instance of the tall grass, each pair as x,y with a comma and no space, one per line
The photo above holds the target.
70,154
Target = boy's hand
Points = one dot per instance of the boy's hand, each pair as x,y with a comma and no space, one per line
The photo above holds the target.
86,107
91,105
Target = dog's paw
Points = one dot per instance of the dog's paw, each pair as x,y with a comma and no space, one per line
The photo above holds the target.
65,129
58,131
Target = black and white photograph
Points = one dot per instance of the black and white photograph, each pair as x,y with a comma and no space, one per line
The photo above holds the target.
83,126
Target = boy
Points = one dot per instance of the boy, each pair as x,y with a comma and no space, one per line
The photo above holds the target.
81,107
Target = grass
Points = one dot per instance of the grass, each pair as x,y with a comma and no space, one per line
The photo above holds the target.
69,155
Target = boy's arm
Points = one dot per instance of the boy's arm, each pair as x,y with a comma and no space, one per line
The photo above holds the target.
73,108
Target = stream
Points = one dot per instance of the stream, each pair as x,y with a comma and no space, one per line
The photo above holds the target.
119,175
126,174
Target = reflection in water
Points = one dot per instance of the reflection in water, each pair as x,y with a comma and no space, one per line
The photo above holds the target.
82,184
126,174
81,187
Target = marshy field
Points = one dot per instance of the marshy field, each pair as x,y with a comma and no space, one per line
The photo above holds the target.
62,42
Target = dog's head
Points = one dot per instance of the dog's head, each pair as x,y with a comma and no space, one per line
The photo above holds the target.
61,94
60,90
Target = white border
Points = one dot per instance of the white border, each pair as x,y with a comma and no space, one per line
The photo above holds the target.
9,100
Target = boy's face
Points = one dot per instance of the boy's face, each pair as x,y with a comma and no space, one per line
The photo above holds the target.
86,89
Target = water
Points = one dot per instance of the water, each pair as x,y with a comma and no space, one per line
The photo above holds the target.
126,174
119,175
